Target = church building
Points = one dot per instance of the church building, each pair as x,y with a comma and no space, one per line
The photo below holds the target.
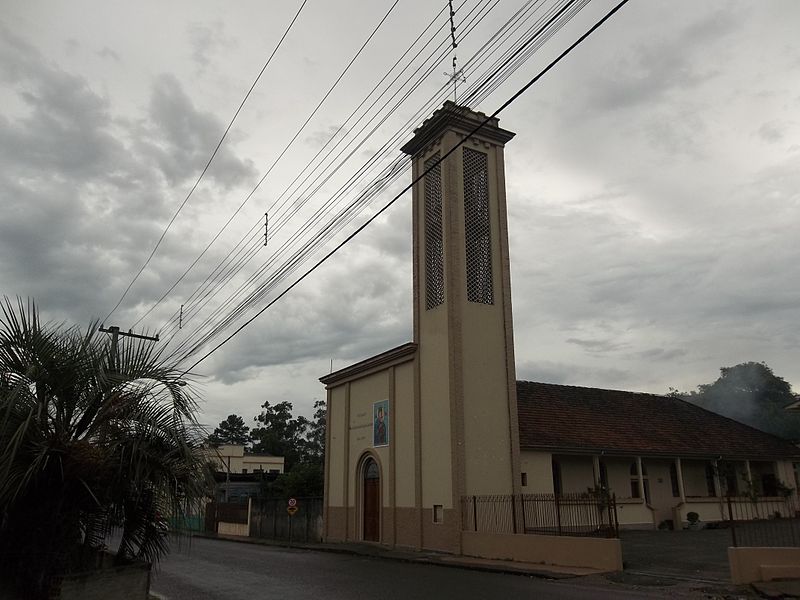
416,430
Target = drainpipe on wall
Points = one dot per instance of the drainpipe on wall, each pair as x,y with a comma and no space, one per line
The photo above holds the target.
596,469
748,474
679,470
641,479
228,479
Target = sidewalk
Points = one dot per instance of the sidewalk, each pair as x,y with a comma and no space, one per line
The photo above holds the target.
426,557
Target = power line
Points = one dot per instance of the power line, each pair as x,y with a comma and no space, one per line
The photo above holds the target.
336,224
363,226
303,259
280,221
208,164
275,162
302,255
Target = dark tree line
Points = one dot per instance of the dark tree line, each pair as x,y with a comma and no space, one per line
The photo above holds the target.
299,440
752,394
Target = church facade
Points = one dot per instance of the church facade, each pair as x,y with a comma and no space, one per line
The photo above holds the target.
413,430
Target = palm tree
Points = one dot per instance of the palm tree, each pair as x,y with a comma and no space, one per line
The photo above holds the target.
88,441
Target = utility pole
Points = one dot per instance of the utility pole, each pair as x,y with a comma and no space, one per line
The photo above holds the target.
115,333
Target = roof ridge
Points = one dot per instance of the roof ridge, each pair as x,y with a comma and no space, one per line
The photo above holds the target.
585,387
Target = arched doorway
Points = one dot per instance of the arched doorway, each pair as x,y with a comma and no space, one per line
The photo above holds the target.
372,501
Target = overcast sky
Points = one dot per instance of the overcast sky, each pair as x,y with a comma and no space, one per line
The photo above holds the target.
653,185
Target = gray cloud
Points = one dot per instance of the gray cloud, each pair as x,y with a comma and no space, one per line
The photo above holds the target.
771,132
180,138
205,39
652,188
570,374
106,52
320,137
83,203
348,310
597,346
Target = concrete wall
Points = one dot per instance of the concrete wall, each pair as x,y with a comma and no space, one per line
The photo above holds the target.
363,393
404,439
240,529
539,469
708,509
592,553
226,456
487,448
337,446
350,442
635,514
253,463
233,457
435,425
763,564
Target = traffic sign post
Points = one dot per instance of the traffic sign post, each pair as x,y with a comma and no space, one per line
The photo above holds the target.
291,509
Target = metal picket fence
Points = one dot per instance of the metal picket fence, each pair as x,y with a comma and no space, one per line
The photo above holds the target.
771,522
269,519
589,514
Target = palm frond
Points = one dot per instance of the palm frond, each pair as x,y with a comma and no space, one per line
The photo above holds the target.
88,440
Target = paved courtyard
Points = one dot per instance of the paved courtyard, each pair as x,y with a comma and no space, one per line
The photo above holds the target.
700,555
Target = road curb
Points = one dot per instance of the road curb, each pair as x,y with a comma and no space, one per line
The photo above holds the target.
444,561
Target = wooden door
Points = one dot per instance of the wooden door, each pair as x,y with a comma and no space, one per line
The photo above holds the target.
372,503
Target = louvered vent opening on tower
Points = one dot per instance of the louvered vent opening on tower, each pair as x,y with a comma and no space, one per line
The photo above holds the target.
477,227
434,242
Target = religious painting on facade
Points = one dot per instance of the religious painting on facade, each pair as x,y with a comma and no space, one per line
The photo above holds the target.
380,423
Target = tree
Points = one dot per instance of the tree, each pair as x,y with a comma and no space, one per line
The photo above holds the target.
305,479
280,434
230,431
752,394
88,441
300,441
315,446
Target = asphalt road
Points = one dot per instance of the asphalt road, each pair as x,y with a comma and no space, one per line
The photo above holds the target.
219,570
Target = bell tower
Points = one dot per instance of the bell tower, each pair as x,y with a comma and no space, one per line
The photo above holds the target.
469,437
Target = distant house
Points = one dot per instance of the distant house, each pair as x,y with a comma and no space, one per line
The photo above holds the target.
662,456
232,458
239,473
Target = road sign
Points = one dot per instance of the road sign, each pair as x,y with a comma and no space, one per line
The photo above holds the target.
292,502
291,510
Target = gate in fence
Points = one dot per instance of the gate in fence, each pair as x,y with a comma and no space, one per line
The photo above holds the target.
228,518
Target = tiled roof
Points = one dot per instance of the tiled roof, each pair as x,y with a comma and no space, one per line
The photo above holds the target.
567,418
